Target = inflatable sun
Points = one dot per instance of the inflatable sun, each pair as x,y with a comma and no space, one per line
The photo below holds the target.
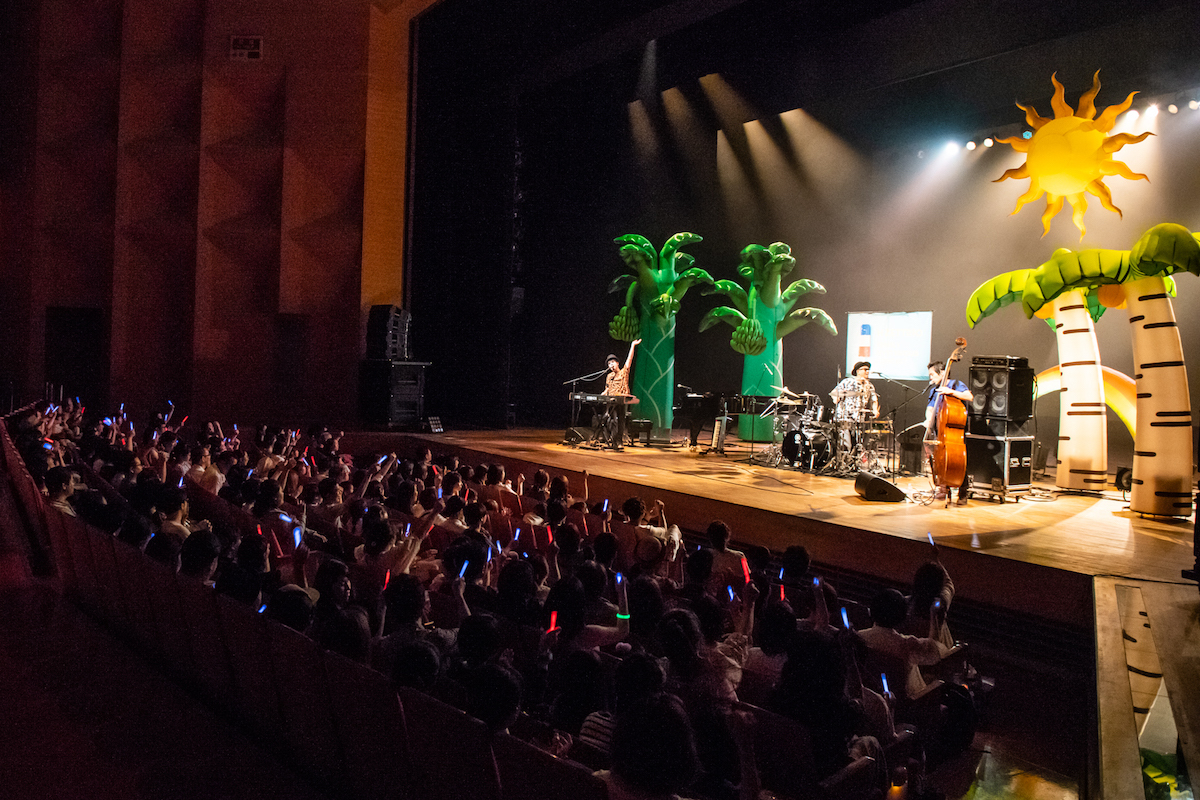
1070,155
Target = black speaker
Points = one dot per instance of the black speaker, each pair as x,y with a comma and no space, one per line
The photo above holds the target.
392,393
876,489
999,464
387,333
577,435
1004,391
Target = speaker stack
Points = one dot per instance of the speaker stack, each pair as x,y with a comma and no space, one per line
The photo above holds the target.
1000,427
391,386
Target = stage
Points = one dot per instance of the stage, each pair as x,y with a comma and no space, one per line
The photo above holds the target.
1033,557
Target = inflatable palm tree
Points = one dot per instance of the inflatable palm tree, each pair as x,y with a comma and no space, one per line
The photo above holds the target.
1140,281
655,284
762,316
1082,425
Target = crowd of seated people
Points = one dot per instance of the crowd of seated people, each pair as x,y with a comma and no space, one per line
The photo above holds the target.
527,605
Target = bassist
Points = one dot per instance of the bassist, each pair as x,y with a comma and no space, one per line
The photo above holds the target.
937,390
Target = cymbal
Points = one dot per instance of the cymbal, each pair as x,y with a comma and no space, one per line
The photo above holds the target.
785,390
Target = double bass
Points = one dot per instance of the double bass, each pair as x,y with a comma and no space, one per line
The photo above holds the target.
949,458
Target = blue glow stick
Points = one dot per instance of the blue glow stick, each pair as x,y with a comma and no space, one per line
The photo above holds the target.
462,572
886,690
846,619
931,541
297,534
439,493
517,534
605,508
730,588
382,459
816,581
621,577
180,481
122,409
262,608
781,573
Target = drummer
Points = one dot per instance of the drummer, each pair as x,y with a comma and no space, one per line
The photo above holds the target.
855,395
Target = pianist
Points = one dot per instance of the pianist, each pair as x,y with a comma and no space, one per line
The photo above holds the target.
616,384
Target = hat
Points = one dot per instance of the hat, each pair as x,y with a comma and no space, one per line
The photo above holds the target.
859,366
612,357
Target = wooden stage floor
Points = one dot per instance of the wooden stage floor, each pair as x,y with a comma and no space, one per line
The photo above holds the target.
1032,556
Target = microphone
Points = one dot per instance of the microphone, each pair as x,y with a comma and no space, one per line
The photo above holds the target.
683,386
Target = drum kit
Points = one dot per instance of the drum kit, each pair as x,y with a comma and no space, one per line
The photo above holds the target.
810,437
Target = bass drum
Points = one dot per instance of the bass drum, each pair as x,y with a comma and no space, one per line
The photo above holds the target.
818,450
807,449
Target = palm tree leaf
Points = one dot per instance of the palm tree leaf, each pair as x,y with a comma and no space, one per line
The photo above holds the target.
803,316
798,289
995,294
688,279
734,292
667,254
731,316
620,282
1165,249
1095,308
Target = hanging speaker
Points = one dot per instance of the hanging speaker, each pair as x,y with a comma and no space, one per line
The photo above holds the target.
876,489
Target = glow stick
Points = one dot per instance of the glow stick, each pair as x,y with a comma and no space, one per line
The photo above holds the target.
262,608
553,621
382,459
387,577
122,408
782,599
462,572
183,421
781,573
846,619
180,481
886,690
746,569
931,541
816,580
297,535
439,493
620,578
549,535
605,509
730,588
517,534
408,529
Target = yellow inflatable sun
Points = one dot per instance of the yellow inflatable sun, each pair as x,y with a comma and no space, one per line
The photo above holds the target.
1069,155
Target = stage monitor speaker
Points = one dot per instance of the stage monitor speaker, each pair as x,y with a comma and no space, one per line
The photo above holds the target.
1003,392
999,464
577,435
876,489
387,333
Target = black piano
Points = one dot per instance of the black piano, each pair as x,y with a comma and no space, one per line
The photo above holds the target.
697,410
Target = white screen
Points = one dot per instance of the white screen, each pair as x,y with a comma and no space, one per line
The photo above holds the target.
897,344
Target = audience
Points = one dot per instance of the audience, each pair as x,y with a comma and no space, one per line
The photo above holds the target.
530,627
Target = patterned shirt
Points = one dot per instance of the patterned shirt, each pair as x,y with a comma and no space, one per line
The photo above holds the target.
617,383
854,401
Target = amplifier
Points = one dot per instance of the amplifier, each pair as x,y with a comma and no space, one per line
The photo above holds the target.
999,465
1010,362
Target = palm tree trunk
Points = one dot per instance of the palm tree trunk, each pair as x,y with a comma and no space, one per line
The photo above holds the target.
654,375
761,374
1162,445
1082,421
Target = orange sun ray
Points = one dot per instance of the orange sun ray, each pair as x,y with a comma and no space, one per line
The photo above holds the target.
1017,143
1087,104
1016,172
1122,169
1098,189
1032,117
1078,203
1114,143
1108,117
1035,191
1054,204
1061,107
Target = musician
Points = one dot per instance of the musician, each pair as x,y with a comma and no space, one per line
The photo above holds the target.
855,395
616,384
953,388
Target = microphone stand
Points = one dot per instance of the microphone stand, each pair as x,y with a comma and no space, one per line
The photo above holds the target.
892,416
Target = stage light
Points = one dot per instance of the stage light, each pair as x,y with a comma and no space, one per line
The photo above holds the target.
1151,111
970,145
1131,116
1193,104
951,148
1174,109
988,142
1027,135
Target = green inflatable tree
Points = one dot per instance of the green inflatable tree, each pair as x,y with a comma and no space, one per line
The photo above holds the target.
761,318
654,285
